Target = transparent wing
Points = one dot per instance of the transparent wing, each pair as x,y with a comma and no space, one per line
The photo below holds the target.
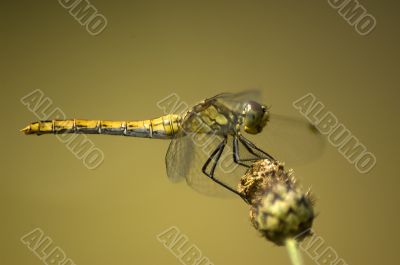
178,159
187,155
202,116
236,101
290,139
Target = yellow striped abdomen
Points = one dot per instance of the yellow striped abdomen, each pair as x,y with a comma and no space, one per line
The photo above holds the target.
165,127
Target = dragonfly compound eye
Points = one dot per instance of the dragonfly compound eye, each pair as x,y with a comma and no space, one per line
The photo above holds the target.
255,117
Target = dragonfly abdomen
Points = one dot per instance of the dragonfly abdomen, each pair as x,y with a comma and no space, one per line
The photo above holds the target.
164,127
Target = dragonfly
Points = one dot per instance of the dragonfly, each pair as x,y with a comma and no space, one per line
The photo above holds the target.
206,139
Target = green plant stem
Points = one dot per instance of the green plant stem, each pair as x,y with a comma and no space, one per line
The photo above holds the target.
294,252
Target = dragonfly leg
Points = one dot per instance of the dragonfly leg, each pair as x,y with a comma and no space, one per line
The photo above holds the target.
236,157
215,156
252,148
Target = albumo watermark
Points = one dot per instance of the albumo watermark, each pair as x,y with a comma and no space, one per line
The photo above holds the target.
179,246
79,144
86,14
316,249
355,14
338,135
172,104
45,249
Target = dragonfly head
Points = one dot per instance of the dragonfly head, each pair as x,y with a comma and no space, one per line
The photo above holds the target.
255,117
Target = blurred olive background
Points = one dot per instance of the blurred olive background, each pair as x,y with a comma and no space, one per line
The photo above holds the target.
150,49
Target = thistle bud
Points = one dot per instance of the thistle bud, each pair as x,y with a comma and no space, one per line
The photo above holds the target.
279,208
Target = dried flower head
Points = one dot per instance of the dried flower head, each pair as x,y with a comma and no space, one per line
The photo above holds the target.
279,208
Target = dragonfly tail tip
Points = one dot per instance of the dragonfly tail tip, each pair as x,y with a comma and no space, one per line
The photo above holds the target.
26,130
